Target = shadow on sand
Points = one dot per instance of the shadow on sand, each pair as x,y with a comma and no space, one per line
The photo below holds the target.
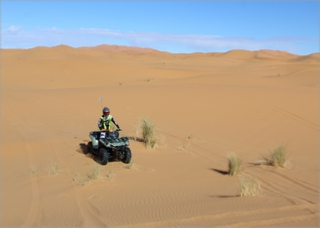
224,196
137,139
221,171
83,149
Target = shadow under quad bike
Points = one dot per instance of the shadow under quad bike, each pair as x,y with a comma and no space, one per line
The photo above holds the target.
107,146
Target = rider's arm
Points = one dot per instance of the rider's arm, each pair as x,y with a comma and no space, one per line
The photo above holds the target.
100,124
115,123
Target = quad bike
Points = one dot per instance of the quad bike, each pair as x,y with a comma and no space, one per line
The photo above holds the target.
107,146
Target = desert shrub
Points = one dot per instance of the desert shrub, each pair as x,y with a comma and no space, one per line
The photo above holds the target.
34,169
131,165
94,173
54,169
249,186
278,157
148,133
234,163
110,175
80,180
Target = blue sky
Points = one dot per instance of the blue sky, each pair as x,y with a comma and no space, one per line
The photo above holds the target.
173,26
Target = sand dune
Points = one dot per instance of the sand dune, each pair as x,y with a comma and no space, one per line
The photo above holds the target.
117,48
204,106
312,58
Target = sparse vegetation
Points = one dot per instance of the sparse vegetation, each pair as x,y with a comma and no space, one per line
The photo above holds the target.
278,156
184,146
131,165
54,169
249,186
234,163
148,133
180,148
95,173
110,174
80,180
34,169
186,143
76,177
149,79
190,136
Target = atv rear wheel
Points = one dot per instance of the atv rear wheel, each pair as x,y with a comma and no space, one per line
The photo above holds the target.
127,155
103,156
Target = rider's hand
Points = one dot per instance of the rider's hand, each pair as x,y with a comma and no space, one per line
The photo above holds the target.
119,129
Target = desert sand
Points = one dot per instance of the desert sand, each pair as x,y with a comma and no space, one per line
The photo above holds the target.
204,106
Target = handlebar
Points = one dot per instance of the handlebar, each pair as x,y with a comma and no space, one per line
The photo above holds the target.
119,129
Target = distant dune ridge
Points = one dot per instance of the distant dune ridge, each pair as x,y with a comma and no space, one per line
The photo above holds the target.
245,54
204,106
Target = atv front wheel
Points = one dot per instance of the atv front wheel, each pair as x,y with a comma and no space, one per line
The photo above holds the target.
103,156
127,155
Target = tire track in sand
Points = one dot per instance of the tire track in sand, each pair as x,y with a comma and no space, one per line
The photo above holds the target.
36,212
89,217
282,187
35,208
257,217
288,114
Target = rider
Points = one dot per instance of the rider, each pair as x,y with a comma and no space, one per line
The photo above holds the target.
105,119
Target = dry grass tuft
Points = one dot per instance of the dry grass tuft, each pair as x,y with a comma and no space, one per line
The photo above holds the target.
33,170
278,157
54,169
80,180
190,136
110,174
249,186
184,146
94,173
148,133
234,163
131,165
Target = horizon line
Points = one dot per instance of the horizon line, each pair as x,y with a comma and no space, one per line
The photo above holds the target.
153,49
